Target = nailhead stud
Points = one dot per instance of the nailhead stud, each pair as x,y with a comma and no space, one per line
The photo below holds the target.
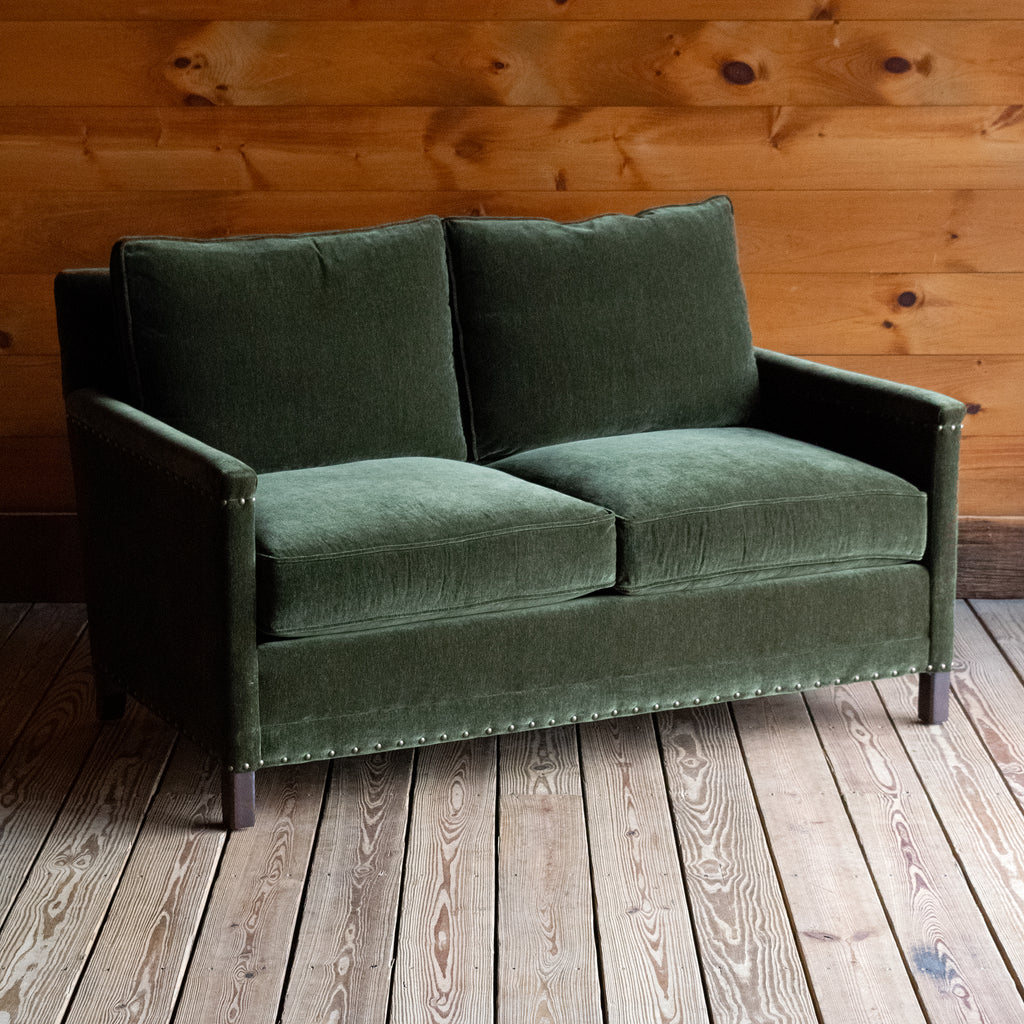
636,709
656,707
737,695
595,716
757,693
696,700
511,728
355,750
401,743
675,703
465,735
422,739
245,767
716,698
284,760
778,689
573,718
551,721
533,725
444,736
330,753
378,746
307,757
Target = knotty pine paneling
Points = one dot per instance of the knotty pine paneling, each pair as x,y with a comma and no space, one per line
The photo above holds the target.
542,149
513,63
874,154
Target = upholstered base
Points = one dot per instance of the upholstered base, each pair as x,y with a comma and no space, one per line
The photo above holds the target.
595,657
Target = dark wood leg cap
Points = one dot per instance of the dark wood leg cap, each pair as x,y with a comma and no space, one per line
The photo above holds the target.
933,697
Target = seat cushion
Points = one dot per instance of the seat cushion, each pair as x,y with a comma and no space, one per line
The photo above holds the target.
705,507
606,326
295,350
386,541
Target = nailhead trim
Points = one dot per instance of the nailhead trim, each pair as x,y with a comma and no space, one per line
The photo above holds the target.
595,716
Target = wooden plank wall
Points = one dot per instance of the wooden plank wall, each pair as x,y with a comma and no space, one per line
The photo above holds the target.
874,152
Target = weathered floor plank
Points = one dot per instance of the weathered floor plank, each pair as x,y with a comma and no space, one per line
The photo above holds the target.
547,964
639,876
981,819
648,955
444,968
751,963
345,951
136,970
854,963
956,965
29,659
57,915
238,969
40,769
988,688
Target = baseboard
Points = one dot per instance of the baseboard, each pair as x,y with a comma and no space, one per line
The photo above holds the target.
991,557
40,557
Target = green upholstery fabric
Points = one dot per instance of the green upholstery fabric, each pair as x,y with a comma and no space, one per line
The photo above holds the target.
168,528
909,431
708,506
606,326
381,542
300,350
595,656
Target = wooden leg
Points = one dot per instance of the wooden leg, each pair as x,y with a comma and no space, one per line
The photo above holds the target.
933,697
238,799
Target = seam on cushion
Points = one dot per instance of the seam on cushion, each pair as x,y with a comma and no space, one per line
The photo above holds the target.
682,514
413,617
882,559
443,542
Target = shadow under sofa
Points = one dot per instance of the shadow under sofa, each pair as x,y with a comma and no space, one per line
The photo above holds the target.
352,491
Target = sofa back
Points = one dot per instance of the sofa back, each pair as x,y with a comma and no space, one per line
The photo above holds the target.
607,326
289,351
299,350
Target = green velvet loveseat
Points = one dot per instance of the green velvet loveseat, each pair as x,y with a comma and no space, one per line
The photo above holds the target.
360,490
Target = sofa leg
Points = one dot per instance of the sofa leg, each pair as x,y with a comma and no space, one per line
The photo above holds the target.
933,697
238,799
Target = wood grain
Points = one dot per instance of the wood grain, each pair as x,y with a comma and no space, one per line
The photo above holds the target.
957,967
988,690
30,658
990,556
513,148
547,966
505,10
930,231
647,948
751,964
885,314
346,943
241,956
512,63
41,765
981,819
445,953
53,923
852,960
139,962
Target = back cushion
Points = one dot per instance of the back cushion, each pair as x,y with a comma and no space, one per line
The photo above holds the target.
607,326
295,350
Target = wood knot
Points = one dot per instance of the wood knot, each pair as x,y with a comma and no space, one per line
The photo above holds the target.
193,99
738,72
906,299
6,340
898,65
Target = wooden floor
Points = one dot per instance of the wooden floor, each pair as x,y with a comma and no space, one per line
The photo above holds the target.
792,859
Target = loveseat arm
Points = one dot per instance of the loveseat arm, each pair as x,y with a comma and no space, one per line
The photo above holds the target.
168,532
906,430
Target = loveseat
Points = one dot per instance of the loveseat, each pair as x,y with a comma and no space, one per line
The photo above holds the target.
359,490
